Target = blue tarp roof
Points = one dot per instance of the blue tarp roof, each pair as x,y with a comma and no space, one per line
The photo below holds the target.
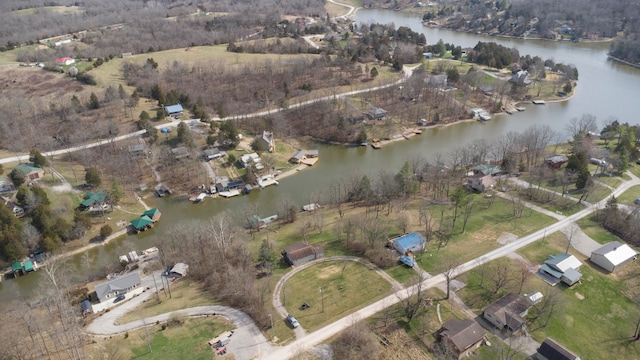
173,109
407,261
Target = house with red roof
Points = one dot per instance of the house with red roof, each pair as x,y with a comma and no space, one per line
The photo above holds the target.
65,61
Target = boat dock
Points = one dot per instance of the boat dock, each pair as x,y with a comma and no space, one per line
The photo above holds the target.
266,180
229,193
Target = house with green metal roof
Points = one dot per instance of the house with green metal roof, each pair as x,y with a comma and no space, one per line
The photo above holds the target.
28,266
92,199
142,223
154,214
30,171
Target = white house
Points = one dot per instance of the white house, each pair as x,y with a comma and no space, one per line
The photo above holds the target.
613,255
252,158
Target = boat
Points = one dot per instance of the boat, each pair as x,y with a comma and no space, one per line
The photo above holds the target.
200,197
484,116
521,108
266,180
539,102
509,111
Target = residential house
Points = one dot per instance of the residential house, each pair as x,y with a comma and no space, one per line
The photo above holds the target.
562,267
555,161
180,152
613,255
94,201
153,214
65,60
376,113
265,141
174,111
411,242
301,252
480,183
5,185
551,350
486,169
30,171
214,153
356,117
461,336
253,158
118,286
521,78
508,312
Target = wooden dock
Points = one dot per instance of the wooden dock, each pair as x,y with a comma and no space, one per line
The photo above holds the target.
309,161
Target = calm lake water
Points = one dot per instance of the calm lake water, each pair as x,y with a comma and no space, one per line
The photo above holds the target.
605,89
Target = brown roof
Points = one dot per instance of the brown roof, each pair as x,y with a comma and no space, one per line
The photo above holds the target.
462,333
509,309
301,250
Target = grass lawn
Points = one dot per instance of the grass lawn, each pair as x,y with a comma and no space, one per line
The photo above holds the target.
188,340
484,227
613,181
184,294
597,232
596,320
342,291
549,201
629,196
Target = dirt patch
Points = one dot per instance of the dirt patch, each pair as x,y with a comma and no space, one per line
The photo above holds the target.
329,271
579,296
507,238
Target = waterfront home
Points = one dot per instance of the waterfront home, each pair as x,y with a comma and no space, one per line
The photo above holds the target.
118,286
142,223
94,201
154,214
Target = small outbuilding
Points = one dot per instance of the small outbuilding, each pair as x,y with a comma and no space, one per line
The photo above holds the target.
613,255
556,161
301,252
412,242
85,307
298,157
174,110
551,350
179,270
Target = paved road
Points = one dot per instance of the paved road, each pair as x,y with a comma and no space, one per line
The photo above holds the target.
351,11
407,71
246,343
320,335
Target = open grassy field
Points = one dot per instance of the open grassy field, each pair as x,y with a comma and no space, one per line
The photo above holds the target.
346,286
629,196
184,294
188,340
596,232
596,320
484,227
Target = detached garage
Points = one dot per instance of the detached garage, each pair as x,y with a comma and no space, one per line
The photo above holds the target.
613,255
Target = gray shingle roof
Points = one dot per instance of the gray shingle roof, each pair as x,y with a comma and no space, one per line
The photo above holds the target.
118,284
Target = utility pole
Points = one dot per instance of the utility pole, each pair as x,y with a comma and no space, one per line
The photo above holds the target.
272,333
156,285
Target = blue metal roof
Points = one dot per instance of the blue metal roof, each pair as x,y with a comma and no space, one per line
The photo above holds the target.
411,240
173,109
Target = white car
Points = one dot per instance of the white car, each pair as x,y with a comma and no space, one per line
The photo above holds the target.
292,321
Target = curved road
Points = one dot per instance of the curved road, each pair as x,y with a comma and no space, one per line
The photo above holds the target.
277,303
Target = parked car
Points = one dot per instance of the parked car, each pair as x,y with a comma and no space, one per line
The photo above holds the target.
118,298
291,320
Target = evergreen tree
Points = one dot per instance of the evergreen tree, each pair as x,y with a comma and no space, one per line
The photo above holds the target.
92,177
267,256
94,103
37,158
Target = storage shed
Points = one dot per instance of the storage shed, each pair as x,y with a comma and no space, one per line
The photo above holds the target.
613,255
410,242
